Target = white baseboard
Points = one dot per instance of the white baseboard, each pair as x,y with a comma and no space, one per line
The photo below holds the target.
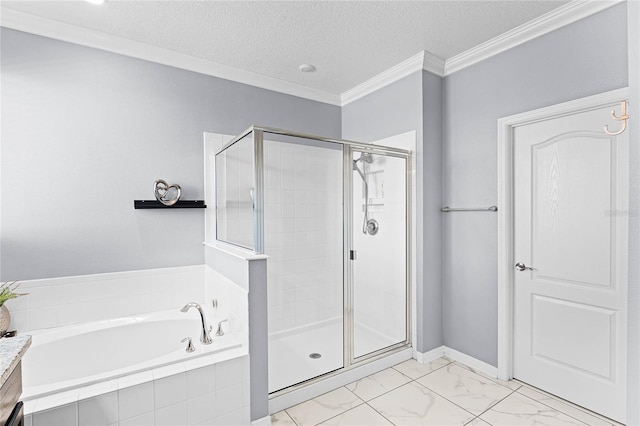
432,355
469,361
472,362
264,421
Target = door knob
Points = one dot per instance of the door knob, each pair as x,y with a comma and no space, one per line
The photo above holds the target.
522,267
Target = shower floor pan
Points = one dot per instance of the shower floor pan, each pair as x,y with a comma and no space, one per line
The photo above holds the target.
293,354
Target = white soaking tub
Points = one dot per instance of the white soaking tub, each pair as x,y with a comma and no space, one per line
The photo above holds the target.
69,363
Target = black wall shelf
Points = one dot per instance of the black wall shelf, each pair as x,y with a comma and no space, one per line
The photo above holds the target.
182,204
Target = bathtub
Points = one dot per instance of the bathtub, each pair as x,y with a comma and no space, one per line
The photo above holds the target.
67,364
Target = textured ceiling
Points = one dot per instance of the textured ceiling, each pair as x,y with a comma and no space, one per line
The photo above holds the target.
348,41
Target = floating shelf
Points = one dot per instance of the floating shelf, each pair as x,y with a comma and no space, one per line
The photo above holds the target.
182,204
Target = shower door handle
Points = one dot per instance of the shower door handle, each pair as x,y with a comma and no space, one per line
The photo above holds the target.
353,255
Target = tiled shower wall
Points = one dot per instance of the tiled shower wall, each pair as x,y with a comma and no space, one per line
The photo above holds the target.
62,301
303,233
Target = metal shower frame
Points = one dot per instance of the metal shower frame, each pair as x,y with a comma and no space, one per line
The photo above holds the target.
348,148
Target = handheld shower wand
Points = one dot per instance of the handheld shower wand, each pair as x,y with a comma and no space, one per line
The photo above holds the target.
368,226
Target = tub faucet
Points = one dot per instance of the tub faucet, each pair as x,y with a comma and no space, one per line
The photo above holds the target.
205,337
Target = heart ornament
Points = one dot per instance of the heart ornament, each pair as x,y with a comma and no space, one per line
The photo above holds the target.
165,193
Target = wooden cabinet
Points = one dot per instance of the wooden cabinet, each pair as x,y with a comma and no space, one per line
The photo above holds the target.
9,395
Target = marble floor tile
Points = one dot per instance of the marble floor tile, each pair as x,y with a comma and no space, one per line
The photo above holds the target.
465,388
511,384
565,407
477,422
413,369
378,383
517,409
413,404
323,407
442,392
362,415
281,418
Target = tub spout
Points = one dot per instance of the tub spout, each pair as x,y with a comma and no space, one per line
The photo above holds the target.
205,336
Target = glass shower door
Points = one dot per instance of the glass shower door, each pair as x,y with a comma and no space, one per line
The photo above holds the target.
303,235
379,252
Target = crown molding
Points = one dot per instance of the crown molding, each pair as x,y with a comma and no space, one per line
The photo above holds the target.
16,20
551,21
420,61
433,64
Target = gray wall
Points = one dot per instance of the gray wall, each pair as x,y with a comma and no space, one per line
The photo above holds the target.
432,188
85,132
582,59
399,108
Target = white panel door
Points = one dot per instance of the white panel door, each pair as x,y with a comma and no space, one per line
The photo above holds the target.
570,230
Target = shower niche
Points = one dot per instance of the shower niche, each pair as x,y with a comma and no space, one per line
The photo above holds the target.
332,216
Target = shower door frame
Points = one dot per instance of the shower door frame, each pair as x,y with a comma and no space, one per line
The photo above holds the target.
350,360
348,147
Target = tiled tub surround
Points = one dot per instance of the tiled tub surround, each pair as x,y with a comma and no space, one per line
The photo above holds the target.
210,395
64,301
132,390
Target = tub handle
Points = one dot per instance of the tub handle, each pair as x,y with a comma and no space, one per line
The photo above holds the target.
190,347
220,332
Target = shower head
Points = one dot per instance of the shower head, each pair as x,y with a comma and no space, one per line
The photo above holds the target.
364,156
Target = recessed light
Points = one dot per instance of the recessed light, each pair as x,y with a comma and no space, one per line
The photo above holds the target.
307,68
95,1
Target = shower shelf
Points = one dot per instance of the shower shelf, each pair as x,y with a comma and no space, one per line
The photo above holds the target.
182,204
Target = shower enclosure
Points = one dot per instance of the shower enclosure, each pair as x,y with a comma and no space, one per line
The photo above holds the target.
332,216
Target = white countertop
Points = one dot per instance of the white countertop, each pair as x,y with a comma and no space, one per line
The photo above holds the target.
11,351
